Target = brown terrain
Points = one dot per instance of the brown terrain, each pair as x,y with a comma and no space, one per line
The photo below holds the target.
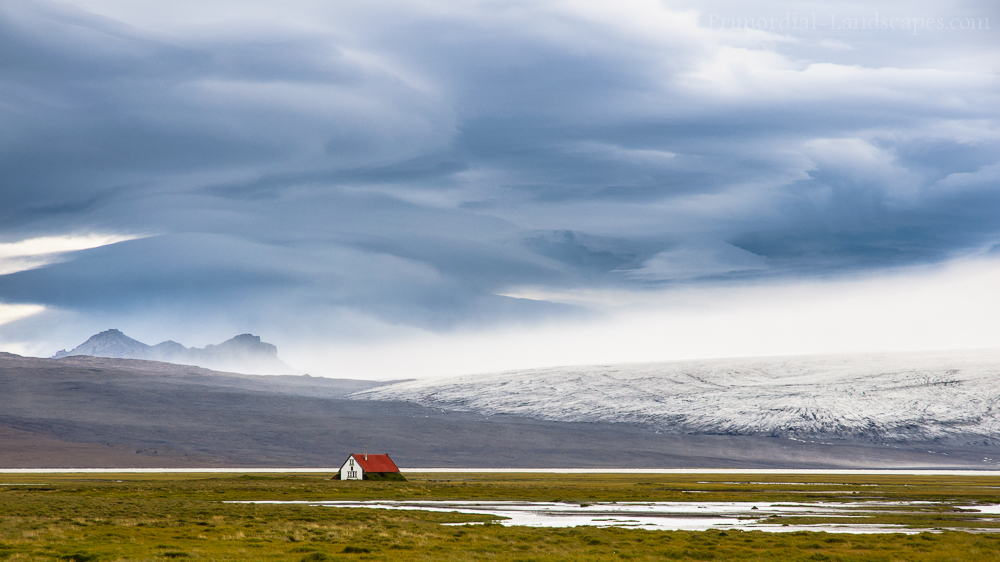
97,412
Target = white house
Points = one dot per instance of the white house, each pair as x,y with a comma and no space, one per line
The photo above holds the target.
365,466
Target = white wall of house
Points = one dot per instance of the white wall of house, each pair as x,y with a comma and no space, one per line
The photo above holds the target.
351,470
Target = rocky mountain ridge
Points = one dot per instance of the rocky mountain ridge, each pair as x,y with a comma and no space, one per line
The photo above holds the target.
244,353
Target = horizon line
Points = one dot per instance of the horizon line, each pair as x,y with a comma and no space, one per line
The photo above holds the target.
607,470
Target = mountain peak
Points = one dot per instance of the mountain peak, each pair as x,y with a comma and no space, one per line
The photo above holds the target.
244,344
244,353
109,343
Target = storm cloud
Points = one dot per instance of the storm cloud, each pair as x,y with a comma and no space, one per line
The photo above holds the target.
332,169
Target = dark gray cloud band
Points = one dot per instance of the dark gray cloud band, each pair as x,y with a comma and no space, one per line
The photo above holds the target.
415,165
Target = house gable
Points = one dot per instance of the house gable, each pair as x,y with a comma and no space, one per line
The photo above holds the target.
352,469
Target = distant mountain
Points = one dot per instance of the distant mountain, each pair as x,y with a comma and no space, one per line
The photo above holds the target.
111,343
243,354
101,412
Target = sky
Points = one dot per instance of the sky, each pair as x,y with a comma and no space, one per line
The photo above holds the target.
395,189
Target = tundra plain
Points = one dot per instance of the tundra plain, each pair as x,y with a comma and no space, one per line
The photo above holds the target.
126,517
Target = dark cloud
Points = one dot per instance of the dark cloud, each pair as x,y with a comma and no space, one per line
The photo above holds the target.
416,165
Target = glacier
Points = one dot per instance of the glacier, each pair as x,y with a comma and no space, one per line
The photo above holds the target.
876,397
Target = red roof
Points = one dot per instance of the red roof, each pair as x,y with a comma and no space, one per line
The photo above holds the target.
376,463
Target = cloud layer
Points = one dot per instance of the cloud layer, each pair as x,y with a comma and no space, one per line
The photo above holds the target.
349,171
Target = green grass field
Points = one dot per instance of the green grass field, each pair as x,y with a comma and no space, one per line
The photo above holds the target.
90,517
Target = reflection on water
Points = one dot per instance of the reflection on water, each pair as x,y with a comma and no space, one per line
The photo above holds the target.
673,516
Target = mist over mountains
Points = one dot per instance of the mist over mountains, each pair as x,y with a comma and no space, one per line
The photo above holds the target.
244,353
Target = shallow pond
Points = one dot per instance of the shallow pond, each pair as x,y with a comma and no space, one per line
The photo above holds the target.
672,516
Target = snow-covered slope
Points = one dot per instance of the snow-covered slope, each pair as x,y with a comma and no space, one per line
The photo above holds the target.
876,397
